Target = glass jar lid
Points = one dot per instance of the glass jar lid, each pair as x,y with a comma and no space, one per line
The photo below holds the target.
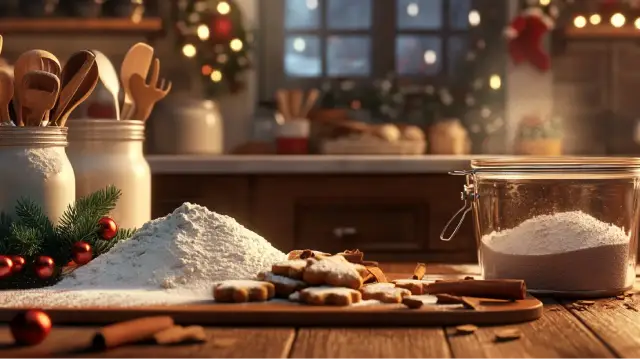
572,164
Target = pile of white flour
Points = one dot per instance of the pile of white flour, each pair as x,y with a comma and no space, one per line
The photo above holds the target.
569,251
173,259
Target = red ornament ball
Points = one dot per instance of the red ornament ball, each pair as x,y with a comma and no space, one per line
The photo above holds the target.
44,267
18,263
6,266
222,27
31,327
82,253
108,228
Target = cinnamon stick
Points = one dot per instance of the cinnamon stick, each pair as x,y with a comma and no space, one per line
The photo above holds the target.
377,273
132,331
495,289
420,271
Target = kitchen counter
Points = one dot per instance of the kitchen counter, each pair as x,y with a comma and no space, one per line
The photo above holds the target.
318,164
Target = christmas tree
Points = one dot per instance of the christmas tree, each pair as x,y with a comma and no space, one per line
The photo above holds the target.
213,37
34,251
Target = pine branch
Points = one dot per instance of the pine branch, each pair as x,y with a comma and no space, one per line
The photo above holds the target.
24,240
81,219
31,215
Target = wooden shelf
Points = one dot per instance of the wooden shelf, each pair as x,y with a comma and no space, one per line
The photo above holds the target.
62,25
608,32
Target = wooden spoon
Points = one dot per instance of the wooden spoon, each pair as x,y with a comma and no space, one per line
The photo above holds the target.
109,78
6,94
1,43
296,98
310,102
87,85
136,61
39,94
28,61
73,74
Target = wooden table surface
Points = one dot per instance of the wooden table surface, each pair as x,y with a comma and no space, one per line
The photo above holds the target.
609,328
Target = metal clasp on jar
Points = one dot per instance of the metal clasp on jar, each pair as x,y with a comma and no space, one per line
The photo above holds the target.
468,195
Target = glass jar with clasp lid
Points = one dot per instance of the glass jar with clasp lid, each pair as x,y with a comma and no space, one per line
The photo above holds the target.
566,225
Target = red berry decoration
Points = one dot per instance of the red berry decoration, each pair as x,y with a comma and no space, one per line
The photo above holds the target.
44,267
82,253
30,327
108,228
6,266
18,263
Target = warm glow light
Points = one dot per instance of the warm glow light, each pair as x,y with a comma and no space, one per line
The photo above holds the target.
223,8
189,50
495,82
216,76
637,23
236,45
299,45
206,70
474,18
430,57
312,4
580,22
413,9
203,32
595,19
618,20
545,2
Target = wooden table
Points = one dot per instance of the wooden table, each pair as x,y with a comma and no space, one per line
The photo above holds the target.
609,328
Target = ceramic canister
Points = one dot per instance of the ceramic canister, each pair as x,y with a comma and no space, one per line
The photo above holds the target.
107,152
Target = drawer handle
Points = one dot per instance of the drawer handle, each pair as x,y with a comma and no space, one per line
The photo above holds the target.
341,232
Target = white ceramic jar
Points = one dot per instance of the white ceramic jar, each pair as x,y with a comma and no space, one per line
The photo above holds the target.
35,166
109,152
188,127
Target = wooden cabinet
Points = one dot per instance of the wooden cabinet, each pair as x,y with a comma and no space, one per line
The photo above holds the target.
389,217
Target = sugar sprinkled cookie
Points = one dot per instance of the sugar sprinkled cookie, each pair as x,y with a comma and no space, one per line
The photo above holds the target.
335,271
285,286
241,291
292,268
384,292
329,296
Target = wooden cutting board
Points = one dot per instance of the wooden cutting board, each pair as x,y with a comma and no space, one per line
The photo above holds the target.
290,314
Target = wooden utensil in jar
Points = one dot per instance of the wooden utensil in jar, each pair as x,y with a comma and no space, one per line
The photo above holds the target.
28,61
136,61
79,78
1,43
311,100
145,95
39,95
282,98
6,94
109,78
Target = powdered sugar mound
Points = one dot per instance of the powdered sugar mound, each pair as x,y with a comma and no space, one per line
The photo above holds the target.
557,233
186,251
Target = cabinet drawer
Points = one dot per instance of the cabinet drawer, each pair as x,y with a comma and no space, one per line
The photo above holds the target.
370,227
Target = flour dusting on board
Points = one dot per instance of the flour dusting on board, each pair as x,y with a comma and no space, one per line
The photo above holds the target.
172,259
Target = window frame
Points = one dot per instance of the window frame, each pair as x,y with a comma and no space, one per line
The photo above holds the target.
383,35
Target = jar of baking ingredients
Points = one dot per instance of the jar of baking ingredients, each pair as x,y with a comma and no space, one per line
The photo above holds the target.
35,166
567,226
107,152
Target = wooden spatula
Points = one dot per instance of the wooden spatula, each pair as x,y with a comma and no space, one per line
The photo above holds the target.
6,94
84,87
28,61
136,61
39,95
145,95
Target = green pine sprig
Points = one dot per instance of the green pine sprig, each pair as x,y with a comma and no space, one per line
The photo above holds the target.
31,234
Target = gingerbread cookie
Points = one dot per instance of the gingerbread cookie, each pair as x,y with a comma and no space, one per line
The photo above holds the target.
292,268
416,287
285,286
329,296
384,292
335,271
306,253
241,291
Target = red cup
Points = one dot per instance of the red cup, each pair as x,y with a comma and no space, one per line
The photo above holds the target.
292,137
